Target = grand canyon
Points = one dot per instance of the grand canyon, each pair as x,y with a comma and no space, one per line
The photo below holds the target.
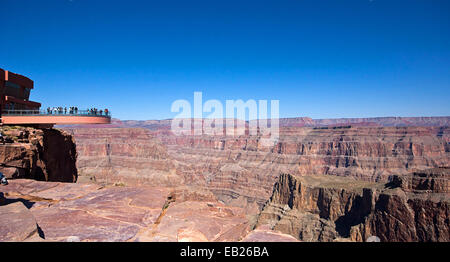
327,180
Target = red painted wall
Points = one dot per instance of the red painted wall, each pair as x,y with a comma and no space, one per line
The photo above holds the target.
19,79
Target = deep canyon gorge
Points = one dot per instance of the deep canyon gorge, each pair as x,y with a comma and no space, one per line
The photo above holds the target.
324,180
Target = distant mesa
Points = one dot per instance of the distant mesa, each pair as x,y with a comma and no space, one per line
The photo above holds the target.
287,124
17,109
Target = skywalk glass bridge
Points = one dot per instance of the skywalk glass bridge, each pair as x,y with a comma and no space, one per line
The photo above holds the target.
55,117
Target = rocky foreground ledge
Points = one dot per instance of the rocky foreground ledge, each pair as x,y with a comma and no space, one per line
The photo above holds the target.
51,211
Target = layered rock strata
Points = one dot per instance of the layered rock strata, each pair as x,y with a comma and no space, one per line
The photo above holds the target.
241,171
41,154
52,211
324,208
131,156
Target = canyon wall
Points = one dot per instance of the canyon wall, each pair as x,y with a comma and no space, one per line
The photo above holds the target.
140,208
324,183
131,156
241,171
41,154
323,208
308,122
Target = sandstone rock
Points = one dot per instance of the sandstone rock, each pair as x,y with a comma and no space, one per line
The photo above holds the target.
259,235
58,224
125,155
89,212
436,180
18,223
190,235
42,154
323,208
197,221
73,239
400,218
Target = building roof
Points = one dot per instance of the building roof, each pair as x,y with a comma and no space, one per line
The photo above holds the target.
16,78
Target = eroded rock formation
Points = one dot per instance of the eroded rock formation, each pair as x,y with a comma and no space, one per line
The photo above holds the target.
330,182
42,154
18,224
90,212
324,208
132,156
240,171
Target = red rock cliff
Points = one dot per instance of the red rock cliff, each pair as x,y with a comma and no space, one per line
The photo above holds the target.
41,154
240,170
326,208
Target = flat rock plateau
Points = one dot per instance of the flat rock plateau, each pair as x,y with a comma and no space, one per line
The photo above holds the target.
323,180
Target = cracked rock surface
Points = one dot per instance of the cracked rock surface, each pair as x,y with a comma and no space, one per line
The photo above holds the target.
54,211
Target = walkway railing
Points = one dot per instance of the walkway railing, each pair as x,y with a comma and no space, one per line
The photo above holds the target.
56,113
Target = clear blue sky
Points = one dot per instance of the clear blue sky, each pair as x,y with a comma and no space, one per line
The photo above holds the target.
323,59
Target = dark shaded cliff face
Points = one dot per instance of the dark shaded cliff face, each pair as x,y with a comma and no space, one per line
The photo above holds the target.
324,208
41,154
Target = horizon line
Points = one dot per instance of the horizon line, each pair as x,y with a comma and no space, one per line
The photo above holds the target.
338,118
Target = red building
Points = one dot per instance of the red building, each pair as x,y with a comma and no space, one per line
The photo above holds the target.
15,92
17,109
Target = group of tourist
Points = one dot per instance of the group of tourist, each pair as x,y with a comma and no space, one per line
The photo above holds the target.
74,110
95,111
62,110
